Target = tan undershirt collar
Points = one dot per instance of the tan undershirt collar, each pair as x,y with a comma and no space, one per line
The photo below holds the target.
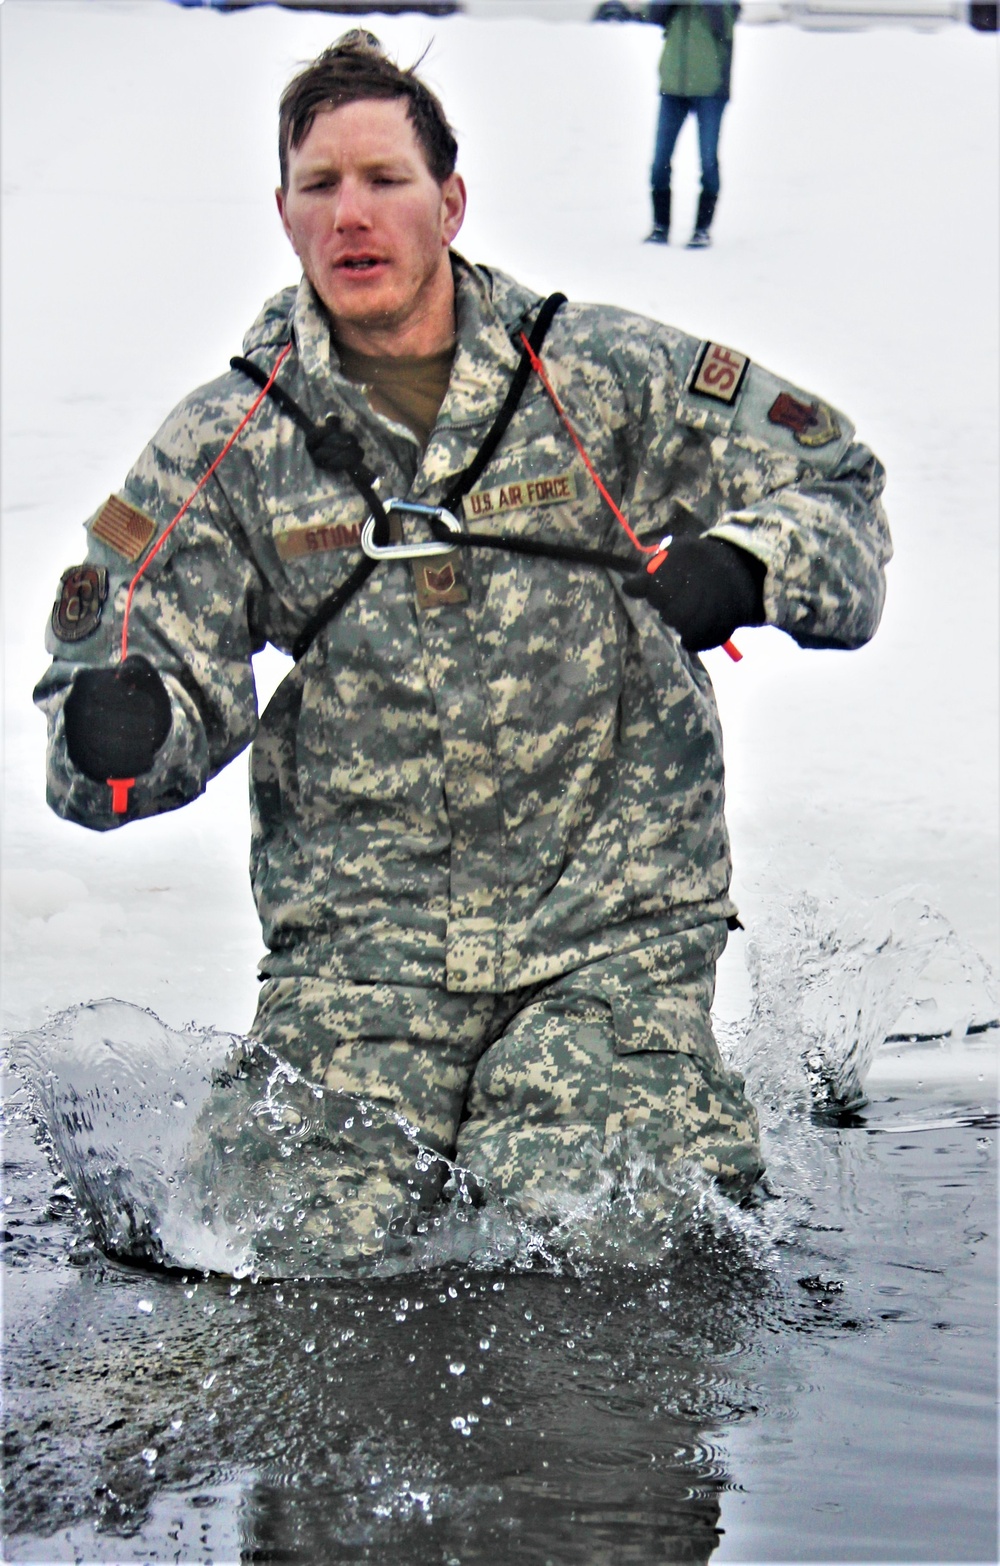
409,389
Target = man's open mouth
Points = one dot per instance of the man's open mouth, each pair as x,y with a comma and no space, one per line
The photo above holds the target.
360,263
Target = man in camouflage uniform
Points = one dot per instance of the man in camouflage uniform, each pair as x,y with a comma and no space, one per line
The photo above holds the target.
489,852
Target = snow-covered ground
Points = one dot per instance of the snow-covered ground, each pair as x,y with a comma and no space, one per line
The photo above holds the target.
856,253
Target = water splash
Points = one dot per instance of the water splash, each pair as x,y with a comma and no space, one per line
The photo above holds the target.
201,1150
830,975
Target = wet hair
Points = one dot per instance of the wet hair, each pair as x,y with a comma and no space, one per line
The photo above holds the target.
354,68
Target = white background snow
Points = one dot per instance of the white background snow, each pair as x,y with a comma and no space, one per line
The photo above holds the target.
856,253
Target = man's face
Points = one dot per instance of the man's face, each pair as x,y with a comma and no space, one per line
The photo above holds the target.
367,219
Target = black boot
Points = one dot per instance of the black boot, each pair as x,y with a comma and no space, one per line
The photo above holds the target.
703,222
660,232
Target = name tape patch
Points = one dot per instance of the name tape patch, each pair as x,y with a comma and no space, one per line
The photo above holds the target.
77,609
719,373
812,423
514,497
296,542
123,528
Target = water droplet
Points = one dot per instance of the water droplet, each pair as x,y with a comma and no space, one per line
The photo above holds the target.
452,1292
177,1424
179,1101
484,1344
310,1345
149,1454
348,1123
145,1306
208,1381
457,1368
487,1401
458,1423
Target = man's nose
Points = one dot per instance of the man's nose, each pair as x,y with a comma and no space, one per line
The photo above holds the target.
352,205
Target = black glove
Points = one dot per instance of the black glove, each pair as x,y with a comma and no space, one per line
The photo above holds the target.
116,719
704,590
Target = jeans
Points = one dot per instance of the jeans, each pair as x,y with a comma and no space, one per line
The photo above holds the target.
673,112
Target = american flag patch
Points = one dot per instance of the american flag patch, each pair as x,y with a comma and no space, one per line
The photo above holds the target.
123,528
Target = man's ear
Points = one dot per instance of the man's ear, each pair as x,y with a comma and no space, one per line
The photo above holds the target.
453,203
279,196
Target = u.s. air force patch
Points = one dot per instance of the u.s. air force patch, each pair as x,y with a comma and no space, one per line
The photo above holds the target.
515,496
77,610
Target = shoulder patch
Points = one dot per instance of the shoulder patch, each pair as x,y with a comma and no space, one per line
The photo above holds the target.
123,528
718,373
77,610
812,423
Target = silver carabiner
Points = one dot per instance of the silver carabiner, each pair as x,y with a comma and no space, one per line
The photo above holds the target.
406,551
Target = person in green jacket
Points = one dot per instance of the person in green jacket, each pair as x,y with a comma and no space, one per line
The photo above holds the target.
694,79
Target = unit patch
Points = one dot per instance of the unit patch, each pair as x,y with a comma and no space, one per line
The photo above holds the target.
77,610
812,423
123,528
719,373
513,497
295,542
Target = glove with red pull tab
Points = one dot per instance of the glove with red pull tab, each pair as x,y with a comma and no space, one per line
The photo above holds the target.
704,590
116,719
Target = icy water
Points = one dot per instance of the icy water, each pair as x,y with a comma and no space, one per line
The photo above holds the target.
657,1376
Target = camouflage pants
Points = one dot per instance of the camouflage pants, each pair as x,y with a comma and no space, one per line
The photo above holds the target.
530,1091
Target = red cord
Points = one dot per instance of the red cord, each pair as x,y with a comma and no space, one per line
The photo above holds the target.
120,786
657,551
539,369
238,431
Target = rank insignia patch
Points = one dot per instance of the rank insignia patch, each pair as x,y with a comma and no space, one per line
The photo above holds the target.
812,423
77,610
440,581
123,528
719,373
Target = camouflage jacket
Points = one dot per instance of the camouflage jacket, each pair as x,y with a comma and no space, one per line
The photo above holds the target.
491,792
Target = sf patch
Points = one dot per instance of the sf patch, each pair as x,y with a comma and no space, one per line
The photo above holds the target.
812,423
77,611
719,373
123,528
